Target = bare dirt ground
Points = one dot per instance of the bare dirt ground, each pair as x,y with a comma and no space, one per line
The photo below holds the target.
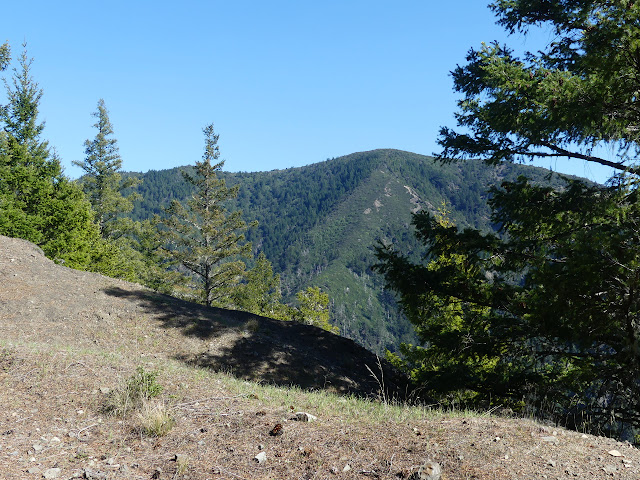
69,339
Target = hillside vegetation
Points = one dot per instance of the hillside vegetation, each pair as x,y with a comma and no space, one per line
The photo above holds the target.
319,224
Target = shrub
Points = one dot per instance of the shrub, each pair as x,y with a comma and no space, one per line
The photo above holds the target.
139,388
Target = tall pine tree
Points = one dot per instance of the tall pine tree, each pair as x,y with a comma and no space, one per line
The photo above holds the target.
37,202
102,183
546,314
203,237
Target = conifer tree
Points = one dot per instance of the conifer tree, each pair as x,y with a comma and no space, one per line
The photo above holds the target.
37,202
547,312
261,294
314,309
102,182
202,236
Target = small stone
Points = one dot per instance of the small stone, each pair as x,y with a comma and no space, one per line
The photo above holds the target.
551,463
610,469
180,458
261,457
37,447
105,390
305,417
550,439
51,473
94,475
614,453
33,470
430,471
346,468
55,440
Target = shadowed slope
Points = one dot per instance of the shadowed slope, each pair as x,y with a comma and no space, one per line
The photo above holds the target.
42,300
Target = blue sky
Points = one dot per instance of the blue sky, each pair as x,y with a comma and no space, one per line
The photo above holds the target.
286,83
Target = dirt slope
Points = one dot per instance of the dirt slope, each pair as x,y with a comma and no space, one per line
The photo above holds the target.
42,300
68,338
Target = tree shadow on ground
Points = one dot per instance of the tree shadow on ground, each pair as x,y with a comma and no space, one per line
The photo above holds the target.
193,319
260,349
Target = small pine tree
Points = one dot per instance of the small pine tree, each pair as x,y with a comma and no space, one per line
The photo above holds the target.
202,236
261,294
314,309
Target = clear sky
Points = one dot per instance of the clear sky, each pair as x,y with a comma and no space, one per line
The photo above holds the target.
285,82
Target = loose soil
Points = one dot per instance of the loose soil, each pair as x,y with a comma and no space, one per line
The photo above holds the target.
69,339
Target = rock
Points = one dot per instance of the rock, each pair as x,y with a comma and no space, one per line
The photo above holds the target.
55,440
180,458
37,447
550,439
94,475
610,469
261,457
346,468
33,470
305,417
429,471
614,453
51,473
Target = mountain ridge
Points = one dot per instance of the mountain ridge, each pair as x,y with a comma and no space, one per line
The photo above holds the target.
318,223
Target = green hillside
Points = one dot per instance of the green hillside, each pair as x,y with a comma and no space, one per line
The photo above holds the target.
318,224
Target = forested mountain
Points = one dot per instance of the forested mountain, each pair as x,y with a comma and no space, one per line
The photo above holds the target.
318,224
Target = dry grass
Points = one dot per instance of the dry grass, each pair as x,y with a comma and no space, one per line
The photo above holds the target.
155,419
